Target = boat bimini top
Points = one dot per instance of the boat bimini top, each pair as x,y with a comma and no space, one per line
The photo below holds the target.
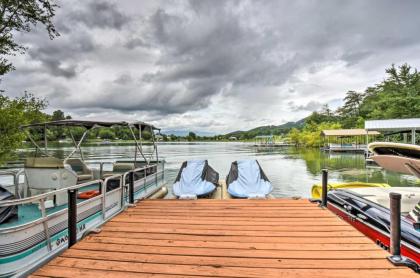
195,179
246,179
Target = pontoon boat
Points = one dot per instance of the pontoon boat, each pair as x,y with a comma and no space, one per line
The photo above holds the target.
33,225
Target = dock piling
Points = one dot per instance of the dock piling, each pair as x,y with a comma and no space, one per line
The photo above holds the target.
131,187
395,237
324,187
395,205
72,216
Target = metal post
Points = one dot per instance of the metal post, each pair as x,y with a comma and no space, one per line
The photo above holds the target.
72,216
395,206
395,218
145,178
324,187
45,138
131,187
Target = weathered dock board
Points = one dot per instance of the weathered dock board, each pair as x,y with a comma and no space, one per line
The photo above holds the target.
225,238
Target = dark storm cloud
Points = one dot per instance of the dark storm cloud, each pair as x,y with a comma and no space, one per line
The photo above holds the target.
60,57
99,14
176,57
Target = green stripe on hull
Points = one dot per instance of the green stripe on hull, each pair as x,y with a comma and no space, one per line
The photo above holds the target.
62,233
44,243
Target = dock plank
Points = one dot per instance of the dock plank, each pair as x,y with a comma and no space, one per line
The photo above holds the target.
224,238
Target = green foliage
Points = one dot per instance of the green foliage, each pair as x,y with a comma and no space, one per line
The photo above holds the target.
398,96
191,136
310,135
20,16
106,133
146,135
14,113
58,132
265,130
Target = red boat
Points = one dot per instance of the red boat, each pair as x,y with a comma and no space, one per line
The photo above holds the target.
367,209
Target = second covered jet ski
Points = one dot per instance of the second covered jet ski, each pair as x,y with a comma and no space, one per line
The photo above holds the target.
246,179
196,179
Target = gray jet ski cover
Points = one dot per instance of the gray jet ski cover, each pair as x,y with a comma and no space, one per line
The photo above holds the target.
195,178
246,179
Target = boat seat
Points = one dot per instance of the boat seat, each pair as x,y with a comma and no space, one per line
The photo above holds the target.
83,172
43,162
44,174
122,167
84,177
119,168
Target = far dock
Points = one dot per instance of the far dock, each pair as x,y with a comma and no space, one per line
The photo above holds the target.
225,238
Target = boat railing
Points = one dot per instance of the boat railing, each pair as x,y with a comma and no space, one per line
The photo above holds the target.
142,170
101,165
15,174
42,198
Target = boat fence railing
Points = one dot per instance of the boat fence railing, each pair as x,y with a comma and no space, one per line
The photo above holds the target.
43,197
102,182
15,174
101,165
40,199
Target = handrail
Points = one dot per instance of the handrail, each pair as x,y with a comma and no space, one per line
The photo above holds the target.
15,174
61,190
46,195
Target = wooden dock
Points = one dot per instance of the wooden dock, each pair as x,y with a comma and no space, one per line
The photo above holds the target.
225,238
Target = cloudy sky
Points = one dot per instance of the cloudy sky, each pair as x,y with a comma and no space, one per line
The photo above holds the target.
213,65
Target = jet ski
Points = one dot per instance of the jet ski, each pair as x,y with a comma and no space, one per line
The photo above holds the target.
246,179
196,179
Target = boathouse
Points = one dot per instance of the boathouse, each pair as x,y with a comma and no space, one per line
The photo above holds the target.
347,140
409,128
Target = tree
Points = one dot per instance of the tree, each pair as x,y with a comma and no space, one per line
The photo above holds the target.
14,113
146,135
106,133
21,16
58,132
398,96
191,136
350,111
58,115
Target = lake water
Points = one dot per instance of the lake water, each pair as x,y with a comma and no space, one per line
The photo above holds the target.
292,171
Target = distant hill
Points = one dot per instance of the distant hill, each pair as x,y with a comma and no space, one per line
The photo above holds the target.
266,130
240,134
185,132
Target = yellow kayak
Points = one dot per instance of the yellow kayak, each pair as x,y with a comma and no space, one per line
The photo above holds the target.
317,188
